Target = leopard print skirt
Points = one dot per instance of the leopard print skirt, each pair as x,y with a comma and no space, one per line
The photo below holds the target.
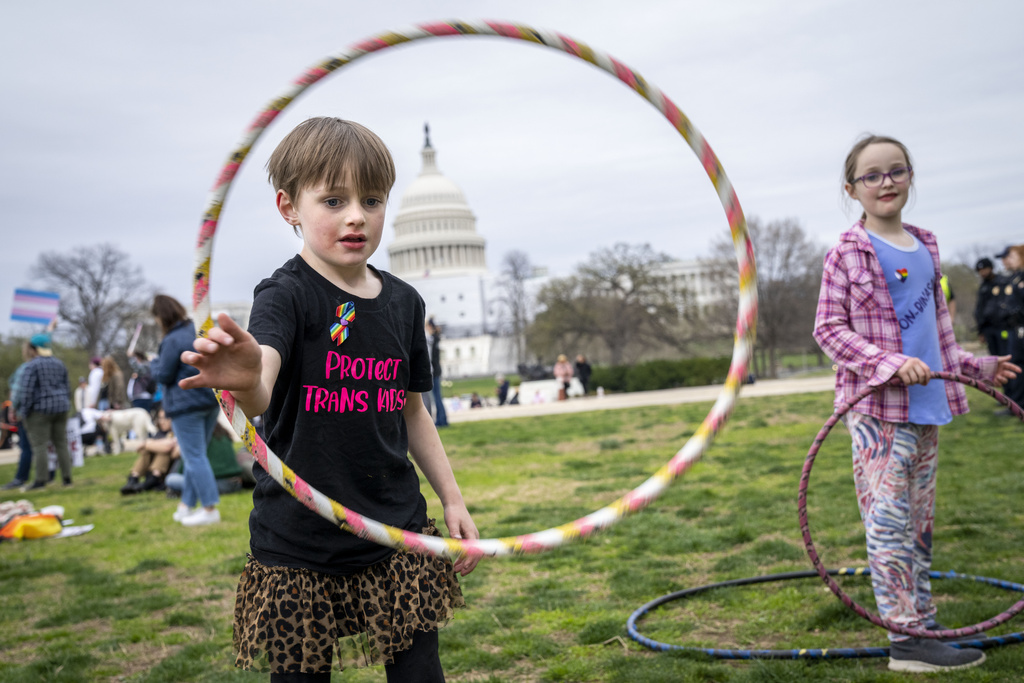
297,621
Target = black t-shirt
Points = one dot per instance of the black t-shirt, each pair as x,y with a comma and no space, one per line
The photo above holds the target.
335,415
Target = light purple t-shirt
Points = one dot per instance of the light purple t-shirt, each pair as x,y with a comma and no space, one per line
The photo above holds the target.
910,276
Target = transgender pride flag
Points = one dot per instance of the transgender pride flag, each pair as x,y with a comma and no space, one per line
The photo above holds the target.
35,307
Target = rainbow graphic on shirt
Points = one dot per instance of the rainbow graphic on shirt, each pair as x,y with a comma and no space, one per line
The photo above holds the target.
346,314
901,274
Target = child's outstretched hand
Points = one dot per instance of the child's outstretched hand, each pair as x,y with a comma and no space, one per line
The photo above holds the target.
914,371
1005,371
228,358
460,525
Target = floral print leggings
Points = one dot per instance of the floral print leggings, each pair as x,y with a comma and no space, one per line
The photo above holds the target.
894,469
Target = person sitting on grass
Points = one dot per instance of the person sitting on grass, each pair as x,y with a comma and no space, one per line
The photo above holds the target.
156,457
227,471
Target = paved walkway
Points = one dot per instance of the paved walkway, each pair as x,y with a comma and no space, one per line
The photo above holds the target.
765,387
770,387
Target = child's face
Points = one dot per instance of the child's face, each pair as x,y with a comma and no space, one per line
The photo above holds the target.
341,226
887,200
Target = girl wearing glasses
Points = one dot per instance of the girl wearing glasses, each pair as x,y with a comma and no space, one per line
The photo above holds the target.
882,315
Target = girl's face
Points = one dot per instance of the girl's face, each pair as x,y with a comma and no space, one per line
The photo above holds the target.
886,201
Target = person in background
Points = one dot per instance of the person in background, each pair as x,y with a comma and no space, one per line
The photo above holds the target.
475,401
141,386
563,373
21,475
502,389
583,371
95,383
7,428
157,455
226,469
44,397
1011,312
78,400
115,389
93,433
28,352
434,347
193,413
986,308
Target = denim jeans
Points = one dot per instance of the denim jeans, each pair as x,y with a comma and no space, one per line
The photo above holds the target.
441,416
193,431
25,459
176,482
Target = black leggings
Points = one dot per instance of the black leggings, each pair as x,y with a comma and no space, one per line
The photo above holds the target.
419,664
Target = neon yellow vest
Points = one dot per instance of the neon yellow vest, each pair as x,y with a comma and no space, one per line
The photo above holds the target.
944,281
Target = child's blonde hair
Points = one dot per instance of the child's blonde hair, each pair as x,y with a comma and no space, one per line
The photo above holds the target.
323,150
850,167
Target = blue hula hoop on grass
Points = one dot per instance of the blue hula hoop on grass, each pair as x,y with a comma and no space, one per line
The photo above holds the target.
806,653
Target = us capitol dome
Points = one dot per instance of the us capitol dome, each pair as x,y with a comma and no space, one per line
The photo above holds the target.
437,250
435,230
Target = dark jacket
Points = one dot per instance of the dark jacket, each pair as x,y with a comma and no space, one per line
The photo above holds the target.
435,354
986,304
168,370
1011,303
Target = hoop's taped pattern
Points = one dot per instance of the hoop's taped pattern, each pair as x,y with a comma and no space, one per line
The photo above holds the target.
807,653
635,500
805,477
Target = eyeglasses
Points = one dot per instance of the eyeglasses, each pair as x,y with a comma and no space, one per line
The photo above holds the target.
897,175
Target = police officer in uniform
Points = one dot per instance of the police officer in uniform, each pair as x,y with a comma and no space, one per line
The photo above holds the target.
986,308
1011,307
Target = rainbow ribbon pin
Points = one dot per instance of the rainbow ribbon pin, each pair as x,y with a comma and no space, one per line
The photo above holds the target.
346,314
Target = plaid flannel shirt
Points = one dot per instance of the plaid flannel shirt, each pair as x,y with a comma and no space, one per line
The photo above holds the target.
44,387
856,326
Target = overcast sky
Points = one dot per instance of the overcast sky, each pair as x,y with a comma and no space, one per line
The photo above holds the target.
117,117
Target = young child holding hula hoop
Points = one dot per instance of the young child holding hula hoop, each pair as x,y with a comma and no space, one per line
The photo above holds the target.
881,314
335,359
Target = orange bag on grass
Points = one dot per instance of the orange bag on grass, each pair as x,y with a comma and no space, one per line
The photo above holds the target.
35,525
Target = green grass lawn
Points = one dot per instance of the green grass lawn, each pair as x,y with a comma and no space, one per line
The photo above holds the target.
143,599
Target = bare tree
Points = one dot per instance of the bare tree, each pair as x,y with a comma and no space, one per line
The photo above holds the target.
789,268
971,254
516,269
618,297
102,294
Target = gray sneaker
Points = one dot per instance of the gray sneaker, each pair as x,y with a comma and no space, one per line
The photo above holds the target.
922,655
